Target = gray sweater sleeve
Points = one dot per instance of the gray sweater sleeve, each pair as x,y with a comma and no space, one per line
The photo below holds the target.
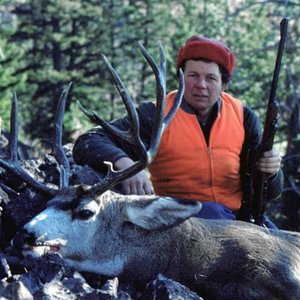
97,146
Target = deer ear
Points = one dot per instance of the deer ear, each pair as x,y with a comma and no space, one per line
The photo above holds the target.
160,213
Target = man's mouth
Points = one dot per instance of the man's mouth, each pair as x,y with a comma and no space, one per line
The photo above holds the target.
200,96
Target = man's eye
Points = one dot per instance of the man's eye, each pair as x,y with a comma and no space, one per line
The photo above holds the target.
212,78
83,214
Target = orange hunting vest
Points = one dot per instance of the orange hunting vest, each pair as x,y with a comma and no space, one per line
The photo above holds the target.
185,167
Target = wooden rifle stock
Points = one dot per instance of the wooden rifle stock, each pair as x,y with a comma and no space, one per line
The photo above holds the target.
260,180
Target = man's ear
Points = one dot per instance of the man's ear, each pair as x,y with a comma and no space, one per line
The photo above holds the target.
224,86
160,213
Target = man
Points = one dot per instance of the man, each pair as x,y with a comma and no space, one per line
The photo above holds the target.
203,153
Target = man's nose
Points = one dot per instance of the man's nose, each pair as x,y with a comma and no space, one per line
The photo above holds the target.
201,83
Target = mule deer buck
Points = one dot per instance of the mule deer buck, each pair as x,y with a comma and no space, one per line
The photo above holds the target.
137,237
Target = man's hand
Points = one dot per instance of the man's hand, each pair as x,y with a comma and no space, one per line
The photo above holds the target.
139,184
269,162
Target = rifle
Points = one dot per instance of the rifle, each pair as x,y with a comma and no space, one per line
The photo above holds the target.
260,180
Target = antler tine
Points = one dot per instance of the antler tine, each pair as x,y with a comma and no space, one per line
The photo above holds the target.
160,76
12,165
160,122
114,177
58,151
177,101
123,93
14,129
159,71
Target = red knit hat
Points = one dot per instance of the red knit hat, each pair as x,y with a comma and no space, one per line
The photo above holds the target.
201,47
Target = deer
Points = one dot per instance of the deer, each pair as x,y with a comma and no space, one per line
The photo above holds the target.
97,230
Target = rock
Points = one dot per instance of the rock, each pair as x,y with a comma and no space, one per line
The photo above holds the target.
14,289
163,288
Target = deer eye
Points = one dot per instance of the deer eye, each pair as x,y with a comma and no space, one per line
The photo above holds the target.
83,214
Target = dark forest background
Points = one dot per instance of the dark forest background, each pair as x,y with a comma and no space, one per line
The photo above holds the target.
45,44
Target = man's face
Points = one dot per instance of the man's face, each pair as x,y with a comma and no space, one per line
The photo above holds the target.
203,85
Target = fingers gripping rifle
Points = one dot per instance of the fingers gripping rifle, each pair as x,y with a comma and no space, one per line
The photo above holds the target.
260,180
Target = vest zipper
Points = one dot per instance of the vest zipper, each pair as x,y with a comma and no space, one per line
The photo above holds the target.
209,152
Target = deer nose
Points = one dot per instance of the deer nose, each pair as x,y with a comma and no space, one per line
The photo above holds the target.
23,237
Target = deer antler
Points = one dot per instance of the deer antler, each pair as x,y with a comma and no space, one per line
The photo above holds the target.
12,164
58,151
132,136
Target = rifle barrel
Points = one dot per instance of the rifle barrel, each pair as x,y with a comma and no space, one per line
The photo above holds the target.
283,34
